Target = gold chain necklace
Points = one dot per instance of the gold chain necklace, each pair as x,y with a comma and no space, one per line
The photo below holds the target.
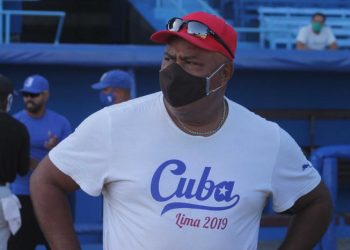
210,132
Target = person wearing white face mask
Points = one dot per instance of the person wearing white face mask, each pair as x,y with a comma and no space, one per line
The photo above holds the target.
114,87
14,159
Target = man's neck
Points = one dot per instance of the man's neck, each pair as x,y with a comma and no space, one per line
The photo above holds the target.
199,119
38,114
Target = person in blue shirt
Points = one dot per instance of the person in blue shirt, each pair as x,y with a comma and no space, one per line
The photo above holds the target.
46,129
114,87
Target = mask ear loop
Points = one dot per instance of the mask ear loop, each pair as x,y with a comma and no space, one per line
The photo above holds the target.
207,81
9,102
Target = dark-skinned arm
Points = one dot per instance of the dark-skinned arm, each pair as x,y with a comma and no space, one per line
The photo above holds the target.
301,46
49,188
312,214
333,46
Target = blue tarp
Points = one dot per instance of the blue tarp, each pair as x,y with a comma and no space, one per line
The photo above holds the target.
149,55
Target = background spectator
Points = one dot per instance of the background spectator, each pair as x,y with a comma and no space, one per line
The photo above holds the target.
316,36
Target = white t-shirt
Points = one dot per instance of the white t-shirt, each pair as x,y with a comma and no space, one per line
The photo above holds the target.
316,41
165,189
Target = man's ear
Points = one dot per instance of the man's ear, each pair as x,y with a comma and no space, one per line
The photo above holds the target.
46,95
9,102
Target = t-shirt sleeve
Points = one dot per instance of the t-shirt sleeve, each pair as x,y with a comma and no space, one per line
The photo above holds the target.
85,154
330,37
301,37
293,175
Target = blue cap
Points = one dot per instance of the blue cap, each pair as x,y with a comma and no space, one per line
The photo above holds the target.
114,78
35,84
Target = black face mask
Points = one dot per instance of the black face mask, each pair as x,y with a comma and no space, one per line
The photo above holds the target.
181,88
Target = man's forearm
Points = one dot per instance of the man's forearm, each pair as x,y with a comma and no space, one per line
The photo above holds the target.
333,46
308,226
301,46
53,212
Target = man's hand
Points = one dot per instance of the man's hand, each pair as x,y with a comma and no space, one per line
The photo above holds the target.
51,142
333,46
300,46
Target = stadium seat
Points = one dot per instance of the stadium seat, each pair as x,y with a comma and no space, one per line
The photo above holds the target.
324,160
280,26
245,11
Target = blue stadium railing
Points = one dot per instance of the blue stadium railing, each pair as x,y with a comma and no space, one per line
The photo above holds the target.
5,15
245,11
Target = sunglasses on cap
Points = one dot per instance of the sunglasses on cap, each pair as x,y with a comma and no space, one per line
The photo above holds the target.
31,95
195,28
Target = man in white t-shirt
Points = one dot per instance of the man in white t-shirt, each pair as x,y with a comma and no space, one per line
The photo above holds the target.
316,36
184,168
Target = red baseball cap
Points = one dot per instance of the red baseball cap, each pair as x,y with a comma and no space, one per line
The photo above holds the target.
225,31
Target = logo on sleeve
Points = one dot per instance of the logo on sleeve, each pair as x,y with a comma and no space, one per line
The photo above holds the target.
196,193
306,166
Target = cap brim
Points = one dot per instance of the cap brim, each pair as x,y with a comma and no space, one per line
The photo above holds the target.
164,36
98,85
32,91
